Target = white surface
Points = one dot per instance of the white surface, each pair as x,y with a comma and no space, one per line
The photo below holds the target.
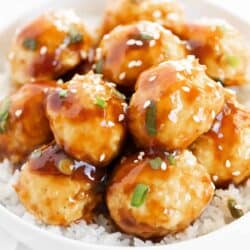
14,8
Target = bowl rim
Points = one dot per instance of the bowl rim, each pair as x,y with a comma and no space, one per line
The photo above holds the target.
72,242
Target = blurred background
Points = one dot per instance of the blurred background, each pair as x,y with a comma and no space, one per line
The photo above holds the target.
12,8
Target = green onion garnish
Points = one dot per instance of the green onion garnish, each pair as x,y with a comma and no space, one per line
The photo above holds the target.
156,163
63,93
100,102
99,67
139,195
234,209
171,159
151,125
4,114
233,61
73,37
30,43
145,37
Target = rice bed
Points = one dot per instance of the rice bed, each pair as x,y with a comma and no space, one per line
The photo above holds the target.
216,215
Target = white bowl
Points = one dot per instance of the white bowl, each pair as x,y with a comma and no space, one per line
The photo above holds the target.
230,237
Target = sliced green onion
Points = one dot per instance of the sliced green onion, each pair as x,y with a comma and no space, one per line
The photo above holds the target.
99,67
171,159
151,125
4,114
233,61
100,102
65,166
139,195
146,37
30,43
119,94
36,154
63,93
234,209
156,163
73,37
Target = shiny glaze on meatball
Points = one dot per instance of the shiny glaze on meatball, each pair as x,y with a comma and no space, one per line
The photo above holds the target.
48,47
173,105
154,194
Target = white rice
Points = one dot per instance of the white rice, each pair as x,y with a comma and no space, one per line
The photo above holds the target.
215,216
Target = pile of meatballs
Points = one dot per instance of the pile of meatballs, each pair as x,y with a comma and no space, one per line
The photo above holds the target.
136,122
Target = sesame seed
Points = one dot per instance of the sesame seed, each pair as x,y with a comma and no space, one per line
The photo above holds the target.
132,42
186,89
188,197
140,156
11,55
220,147
136,161
173,16
146,104
43,50
59,81
152,78
236,173
213,114
45,90
106,36
163,166
220,135
102,157
215,178
122,76
73,91
121,117
18,113
135,63
157,14
180,76
125,107
228,164
152,43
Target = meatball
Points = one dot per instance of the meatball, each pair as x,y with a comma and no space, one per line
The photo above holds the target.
57,189
168,13
225,149
23,122
173,105
48,47
221,48
129,50
87,118
152,195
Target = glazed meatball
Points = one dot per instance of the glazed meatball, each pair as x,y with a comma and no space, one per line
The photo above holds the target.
23,122
48,47
168,13
225,149
221,48
87,118
129,50
57,189
153,195
173,105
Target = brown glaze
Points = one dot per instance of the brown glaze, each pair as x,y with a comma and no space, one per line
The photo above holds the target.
47,162
53,54
179,90
27,124
167,188
129,50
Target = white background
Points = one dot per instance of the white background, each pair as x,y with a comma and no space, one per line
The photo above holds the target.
10,9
